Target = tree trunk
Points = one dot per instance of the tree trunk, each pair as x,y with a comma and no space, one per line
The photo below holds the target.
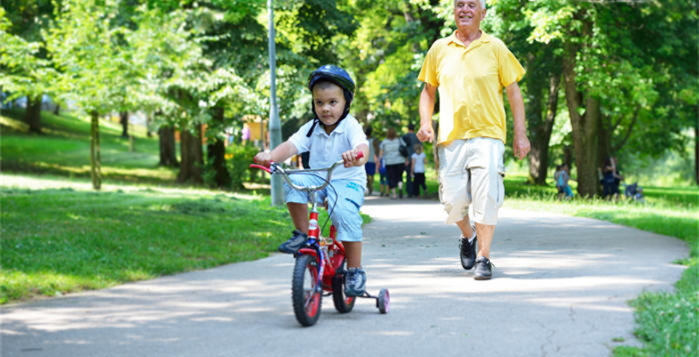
95,160
585,125
168,154
216,151
192,156
57,109
568,155
541,132
124,120
33,114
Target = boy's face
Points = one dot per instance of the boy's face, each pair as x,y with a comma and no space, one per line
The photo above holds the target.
329,102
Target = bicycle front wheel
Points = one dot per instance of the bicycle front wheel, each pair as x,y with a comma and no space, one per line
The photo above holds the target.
306,296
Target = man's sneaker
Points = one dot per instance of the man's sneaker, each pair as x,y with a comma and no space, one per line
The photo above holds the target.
484,269
297,240
468,252
355,280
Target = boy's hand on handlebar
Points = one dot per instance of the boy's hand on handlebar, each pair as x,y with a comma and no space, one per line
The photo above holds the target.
263,158
352,157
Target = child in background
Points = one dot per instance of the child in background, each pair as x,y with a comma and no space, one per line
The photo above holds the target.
562,176
417,170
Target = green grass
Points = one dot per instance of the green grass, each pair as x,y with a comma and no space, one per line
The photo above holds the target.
56,241
64,149
62,240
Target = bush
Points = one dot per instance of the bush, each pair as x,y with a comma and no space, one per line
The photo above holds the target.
238,159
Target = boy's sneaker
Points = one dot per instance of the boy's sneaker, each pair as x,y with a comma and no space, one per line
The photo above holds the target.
468,252
297,240
355,280
484,269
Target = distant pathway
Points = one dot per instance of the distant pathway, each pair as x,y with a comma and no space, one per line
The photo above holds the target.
560,288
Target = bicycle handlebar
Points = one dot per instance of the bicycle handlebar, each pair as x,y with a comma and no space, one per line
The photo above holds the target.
277,168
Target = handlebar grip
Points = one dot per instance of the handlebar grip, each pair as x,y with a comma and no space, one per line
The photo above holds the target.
256,166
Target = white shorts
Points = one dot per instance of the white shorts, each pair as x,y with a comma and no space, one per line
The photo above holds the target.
471,179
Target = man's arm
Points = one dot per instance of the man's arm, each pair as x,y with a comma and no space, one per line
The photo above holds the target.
520,142
428,97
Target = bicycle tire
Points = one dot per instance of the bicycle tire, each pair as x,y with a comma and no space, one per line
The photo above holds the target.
343,303
305,296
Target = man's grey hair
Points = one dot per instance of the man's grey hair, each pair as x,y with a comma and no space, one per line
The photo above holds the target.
482,3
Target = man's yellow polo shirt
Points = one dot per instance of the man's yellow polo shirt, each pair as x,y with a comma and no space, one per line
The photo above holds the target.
470,81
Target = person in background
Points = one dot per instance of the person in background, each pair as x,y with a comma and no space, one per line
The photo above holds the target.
417,170
410,140
562,176
395,163
611,178
383,178
370,166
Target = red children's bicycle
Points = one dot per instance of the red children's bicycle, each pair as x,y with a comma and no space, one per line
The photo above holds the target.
320,265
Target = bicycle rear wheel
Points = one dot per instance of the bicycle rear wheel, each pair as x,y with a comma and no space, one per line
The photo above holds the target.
342,302
306,296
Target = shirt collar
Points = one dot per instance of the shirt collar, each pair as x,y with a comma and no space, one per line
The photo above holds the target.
339,129
485,38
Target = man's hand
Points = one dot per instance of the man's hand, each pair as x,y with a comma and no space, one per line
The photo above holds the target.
520,146
425,133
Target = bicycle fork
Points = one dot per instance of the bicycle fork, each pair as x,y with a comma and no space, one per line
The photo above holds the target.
314,240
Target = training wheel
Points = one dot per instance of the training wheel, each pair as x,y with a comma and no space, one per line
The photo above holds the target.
383,302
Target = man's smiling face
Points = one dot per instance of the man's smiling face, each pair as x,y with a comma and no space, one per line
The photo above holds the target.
468,14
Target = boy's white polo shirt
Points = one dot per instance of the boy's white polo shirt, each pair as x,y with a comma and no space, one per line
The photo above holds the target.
326,149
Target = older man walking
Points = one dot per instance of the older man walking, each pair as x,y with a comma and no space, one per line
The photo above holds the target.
470,69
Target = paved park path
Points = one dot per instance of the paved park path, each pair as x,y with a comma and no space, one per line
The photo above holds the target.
560,288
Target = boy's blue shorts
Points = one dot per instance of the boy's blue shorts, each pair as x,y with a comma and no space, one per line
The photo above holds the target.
344,212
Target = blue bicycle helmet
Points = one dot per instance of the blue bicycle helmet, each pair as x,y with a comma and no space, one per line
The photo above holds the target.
335,75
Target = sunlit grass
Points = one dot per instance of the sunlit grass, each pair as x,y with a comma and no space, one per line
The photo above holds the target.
64,150
62,240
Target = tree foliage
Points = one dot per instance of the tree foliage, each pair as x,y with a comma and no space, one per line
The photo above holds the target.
625,72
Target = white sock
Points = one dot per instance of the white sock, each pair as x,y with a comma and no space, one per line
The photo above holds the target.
470,240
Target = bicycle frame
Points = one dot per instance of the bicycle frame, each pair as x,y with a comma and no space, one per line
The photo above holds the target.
328,252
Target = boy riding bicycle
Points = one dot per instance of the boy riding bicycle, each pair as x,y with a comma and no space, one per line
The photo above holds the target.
334,134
